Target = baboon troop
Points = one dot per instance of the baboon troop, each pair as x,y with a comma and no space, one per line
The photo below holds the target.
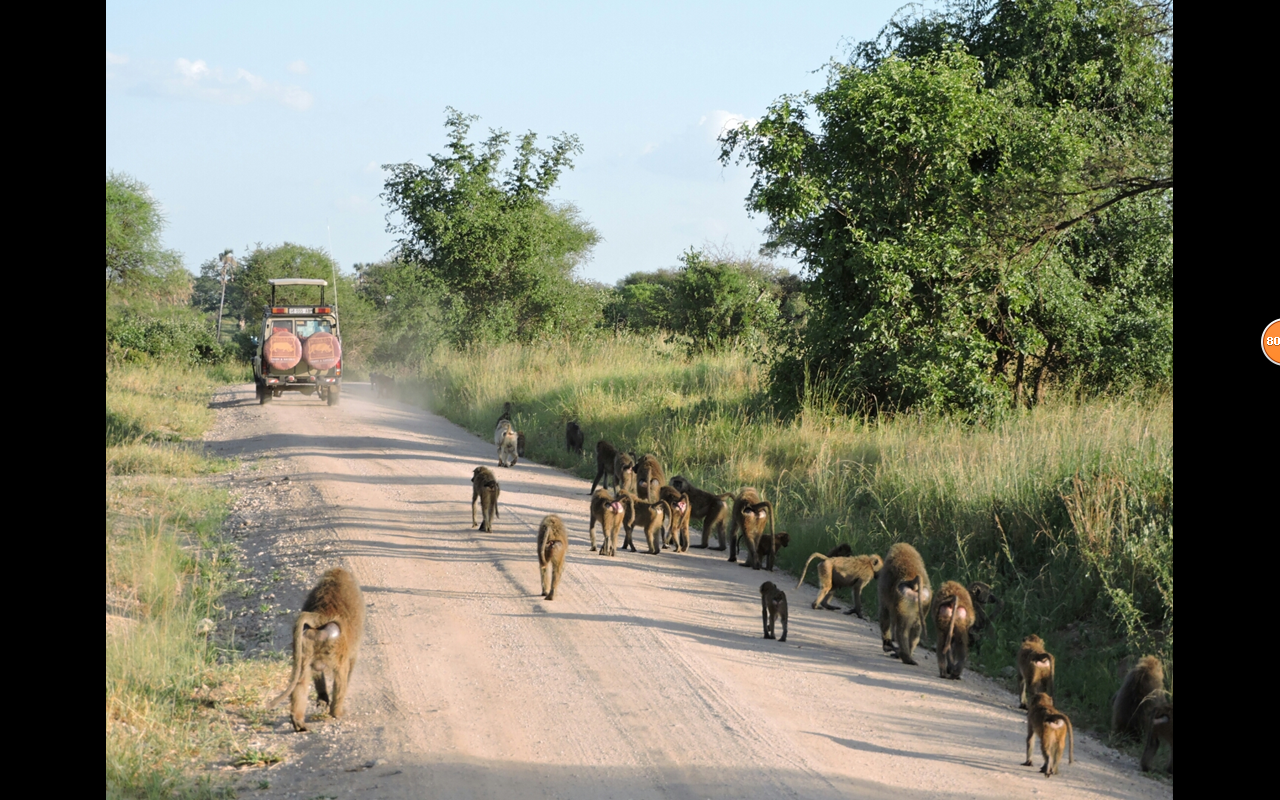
605,455
326,637
904,594
573,437
1055,732
484,487
712,509
1140,691
649,478
678,531
553,543
1035,669
750,514
953,617
773,604
837,572
612,513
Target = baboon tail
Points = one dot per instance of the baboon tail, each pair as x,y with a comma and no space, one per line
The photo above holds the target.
954,601
1071,742
299,654
806,567
772,532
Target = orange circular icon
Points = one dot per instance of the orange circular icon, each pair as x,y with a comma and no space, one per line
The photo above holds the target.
1271,342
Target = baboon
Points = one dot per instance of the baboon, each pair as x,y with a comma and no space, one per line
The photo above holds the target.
1035,669
611,512
678,532
769,545
573,437
982,596
624,472
1159,729
905,594
373,382
837,572
605,455
952,620
507,449
520,443
553,542
773,604
326,636
842,550
749,513
649,478
1055,732
382,385
649,516
506,413
1141,688
501,429
712,509
485,488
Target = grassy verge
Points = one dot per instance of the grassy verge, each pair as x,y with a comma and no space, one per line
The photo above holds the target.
1067,509
172,704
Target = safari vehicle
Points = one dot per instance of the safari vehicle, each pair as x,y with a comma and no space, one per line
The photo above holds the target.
300,349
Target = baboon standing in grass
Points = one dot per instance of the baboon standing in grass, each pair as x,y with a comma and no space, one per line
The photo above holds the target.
905,595
837,572
326,636
1054,729
953,617
485,488
773,604
712,509
1142,688
553,543
573,437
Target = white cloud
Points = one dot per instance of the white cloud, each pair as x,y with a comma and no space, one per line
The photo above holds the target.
298,67
198,80
694,153
115,59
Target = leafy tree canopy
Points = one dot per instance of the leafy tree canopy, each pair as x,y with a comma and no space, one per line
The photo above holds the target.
499,254
137,262
982,197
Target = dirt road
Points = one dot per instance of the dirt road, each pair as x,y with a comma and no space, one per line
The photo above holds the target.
646,677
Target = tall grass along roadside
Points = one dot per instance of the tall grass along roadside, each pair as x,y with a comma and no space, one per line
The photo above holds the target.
1066,509
171,704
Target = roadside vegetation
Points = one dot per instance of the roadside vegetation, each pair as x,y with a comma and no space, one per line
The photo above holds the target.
177,698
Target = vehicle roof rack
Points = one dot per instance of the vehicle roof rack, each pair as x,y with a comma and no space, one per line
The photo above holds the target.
298,282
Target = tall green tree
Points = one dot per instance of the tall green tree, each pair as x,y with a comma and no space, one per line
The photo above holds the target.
137,261
486,239
964,190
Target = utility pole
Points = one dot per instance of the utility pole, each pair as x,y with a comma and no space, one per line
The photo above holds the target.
228,260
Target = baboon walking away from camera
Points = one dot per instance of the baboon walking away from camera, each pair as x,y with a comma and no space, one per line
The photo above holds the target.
500,430
553,543
905,594
1035,669
1054,729
573,437
856,572
1142,688
612,513
712,509
326,636
605,455
773,604
952,619
750,514
484,487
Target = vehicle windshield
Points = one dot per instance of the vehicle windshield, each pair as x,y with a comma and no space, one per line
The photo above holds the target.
306,327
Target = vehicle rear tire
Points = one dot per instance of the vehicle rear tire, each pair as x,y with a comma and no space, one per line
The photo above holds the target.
263,395
333,395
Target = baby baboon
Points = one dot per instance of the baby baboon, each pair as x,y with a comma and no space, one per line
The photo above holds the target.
507,449
624,472
1035,669
611,513
326,636
553,543
649,477
773,604
1159,729
485,488
769,545
605,455
905,595
952,620
1053,727
712,509
843,550
649,516
750,513
520,443
501,429
506,413
573,437
678,533
837,572
1141,688
985,604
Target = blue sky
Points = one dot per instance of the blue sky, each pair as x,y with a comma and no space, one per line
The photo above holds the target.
269,122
